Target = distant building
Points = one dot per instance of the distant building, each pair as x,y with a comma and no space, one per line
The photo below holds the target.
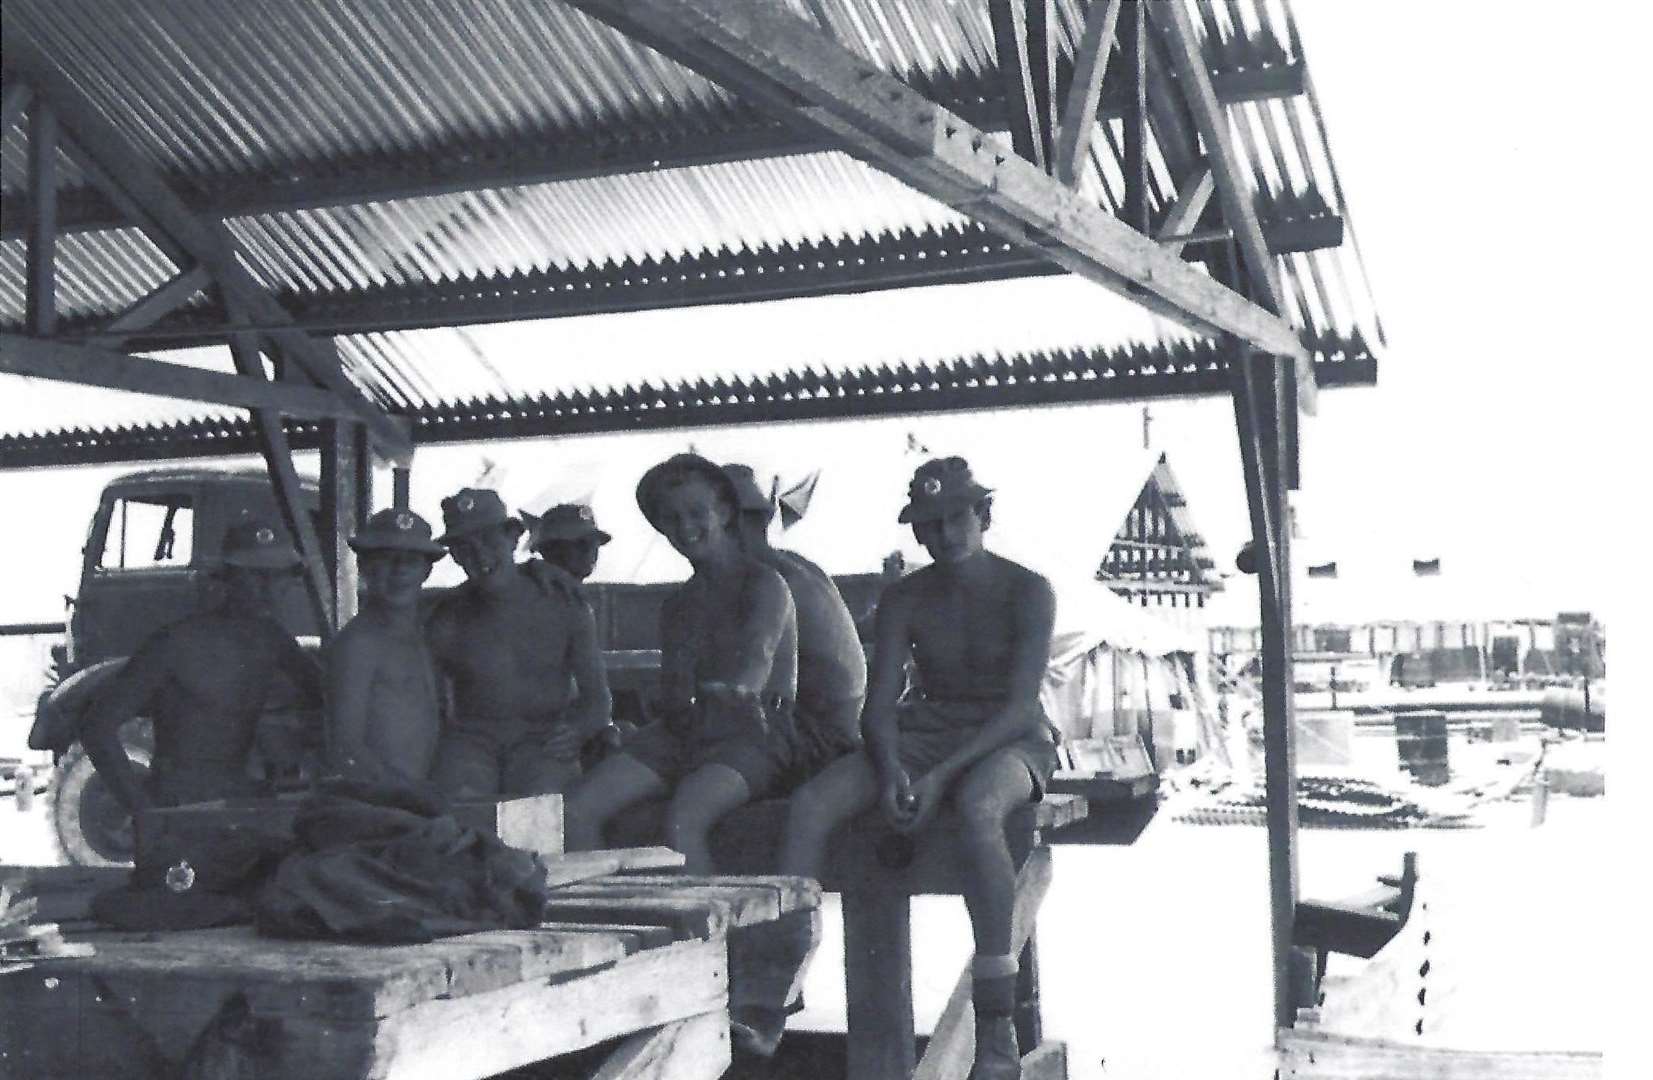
1158,557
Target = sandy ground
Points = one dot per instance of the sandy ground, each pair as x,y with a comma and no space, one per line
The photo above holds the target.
1155,956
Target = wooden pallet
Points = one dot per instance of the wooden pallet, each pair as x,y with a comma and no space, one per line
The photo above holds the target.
640,959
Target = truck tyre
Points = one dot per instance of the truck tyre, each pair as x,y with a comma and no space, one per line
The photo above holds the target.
89,826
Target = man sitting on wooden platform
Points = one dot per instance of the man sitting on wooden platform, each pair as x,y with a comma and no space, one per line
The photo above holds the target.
383,707
729,672
204,681
528,681
978,630
567,539
832,666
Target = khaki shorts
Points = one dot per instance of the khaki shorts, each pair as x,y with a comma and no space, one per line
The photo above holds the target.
477,764
760,749
930,730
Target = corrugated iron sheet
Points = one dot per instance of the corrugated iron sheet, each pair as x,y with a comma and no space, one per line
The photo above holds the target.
216,93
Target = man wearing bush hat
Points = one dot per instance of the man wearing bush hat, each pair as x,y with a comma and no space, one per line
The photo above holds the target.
568,540
204,681
977,628
384,711
528,682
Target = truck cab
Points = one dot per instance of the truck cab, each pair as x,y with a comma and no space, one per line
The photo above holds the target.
151,550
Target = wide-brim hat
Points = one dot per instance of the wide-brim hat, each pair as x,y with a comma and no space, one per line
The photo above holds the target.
748,495
565,521
397,530
939,487
673,471
471,510
257,545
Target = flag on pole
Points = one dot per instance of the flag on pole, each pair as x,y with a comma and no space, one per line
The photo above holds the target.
794,501
1426,567
914,446
1324,570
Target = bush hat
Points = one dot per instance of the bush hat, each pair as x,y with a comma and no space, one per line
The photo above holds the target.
471,510
397,530
258,545
566,521
939,487
748,495
674,470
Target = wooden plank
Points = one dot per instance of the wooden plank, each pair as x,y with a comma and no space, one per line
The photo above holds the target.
878,985
40,258
1232,188
791,893
165,216
1134,56
693,1049
1192,197
346,468
689,918
747,904
107,369
952,1044
533,823
1090,64
636,935
1306,1055
329,980
166,298
484,1034
790,66
1047,1061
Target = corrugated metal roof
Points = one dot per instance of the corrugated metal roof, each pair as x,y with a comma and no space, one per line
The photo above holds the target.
234,101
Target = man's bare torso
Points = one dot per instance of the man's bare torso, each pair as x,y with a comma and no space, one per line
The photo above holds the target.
703,639
963,629
508,654
220,670
403,710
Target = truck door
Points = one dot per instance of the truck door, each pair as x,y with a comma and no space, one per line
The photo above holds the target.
138,573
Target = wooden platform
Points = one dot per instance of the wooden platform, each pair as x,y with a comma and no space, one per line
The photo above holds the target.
877,896
646,959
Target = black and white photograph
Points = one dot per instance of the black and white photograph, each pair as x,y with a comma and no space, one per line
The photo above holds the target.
822,540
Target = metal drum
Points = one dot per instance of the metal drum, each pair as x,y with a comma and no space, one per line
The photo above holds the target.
1420,738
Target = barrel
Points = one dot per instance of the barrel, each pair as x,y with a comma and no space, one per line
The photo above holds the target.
1565,707
1420,739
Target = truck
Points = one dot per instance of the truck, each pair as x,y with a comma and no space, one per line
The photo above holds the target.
150,553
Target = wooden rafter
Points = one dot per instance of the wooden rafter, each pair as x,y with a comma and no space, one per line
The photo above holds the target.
161,213
1134,40
1009,19
40,272
166,298
1188,60
1192,196
85,365
14,98
278,461
786,64
1090,64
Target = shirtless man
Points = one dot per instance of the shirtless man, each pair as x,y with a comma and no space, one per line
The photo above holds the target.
204,681
729,672
978,629
568,539
832,666
528,680
383,707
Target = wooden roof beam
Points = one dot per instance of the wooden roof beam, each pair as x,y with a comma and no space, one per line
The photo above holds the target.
1090,64
167,219
788,65
1188,60
14,98
535,158
108,370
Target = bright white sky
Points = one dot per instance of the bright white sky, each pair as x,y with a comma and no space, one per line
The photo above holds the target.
1472,159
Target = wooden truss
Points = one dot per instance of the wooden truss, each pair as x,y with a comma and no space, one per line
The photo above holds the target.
316,387
810,81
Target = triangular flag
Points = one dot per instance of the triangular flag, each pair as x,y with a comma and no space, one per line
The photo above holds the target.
1324,570
1426,567
794,501
914,446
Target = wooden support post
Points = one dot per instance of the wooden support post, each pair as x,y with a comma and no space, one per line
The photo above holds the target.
1259,386
1135,42
295,514
1010,41
1090,64
346,501
1041,67
170,296
401,486
878,984
40,290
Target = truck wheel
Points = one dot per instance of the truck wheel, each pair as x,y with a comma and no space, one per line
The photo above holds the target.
89,825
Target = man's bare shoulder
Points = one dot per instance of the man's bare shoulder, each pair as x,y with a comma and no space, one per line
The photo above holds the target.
1024,581
360,638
